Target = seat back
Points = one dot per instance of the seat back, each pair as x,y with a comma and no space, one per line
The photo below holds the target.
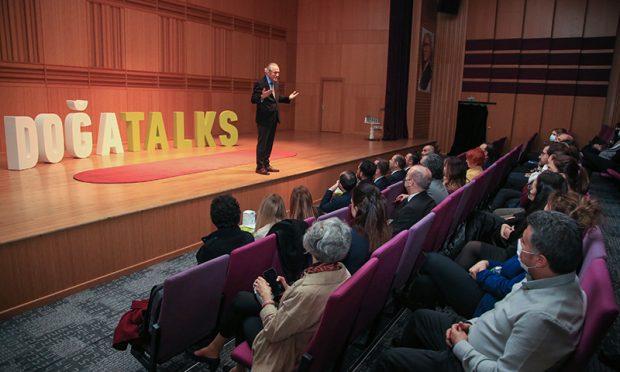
329,341
601,312
310,221
593,247
246,264
443,220
413,248
390,193
606,133
343,213
528,146
498,144
389,255
190,306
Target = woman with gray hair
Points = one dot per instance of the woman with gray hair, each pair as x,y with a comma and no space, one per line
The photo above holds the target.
280,332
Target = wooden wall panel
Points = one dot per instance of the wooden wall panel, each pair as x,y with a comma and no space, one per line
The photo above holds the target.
142,40
199,54
172,45
106,31
20,34
64,32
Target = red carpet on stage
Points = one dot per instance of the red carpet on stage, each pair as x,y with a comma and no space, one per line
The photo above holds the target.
173,168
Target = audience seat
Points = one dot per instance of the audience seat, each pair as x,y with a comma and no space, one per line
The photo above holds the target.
328,343
390,193
413,248
188,312
601,312
343,213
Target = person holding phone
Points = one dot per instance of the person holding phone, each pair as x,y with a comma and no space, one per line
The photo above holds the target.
279,332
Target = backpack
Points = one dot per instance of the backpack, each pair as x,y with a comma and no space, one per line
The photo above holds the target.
151,316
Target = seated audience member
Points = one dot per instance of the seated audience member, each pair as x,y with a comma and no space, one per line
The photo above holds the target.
397,167
366,171
548,308
436,190
473,292
271,211
416,204
497,240
576,176
428,149
599,158
454,173
331,202
490,154
301,204
411,159
225,215
553,137
369,227
279,332
381,175
474,159
567,139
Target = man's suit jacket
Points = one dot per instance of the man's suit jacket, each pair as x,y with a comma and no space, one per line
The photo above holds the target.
409,213
329,204
382,183
267,111
397,176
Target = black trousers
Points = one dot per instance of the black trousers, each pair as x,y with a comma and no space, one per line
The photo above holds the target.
424,345
266,135
442,281
242,319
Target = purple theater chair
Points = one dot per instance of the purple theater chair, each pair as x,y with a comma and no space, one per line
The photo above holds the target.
389,256
593,247
328,343
310,221
498,144
246,264
440,229
390,193
188,312
601,313
413,248
343,213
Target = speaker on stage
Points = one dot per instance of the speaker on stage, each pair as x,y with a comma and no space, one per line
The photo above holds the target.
448,6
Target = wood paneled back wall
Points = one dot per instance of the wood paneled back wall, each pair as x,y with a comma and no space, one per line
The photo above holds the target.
143,55
546,63
341,44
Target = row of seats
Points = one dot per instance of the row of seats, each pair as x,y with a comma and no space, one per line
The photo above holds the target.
194,298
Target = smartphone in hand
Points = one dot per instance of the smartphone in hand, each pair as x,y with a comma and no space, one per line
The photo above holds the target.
271,277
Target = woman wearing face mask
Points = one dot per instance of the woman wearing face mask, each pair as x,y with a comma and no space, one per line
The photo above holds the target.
555,133
474,291
502,242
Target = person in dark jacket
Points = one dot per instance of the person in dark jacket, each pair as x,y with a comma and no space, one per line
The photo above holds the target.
416,204
225,214
330,202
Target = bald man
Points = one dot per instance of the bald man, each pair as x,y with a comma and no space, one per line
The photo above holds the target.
416,204
266,96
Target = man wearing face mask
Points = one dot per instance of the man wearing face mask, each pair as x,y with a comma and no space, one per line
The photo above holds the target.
547,308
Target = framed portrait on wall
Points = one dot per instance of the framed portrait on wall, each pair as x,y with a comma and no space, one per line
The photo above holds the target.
425,69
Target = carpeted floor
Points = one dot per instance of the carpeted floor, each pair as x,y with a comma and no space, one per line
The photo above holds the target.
75,333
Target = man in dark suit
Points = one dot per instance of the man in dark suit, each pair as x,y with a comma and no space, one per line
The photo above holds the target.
266,96
366,171
397,166
381,175
416,204
346,182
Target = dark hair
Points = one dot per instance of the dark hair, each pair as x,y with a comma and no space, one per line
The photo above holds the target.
383,166
586,211
559,131
371,219
368,168
574,173
475,156
347,180
435,164
491,153
301,204
557,237
455,175
225,211
546,183
400,161
557,148
415,157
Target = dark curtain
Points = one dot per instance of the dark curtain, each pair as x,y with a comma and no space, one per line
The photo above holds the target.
471,128
395,121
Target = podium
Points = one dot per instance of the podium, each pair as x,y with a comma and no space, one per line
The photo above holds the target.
376,130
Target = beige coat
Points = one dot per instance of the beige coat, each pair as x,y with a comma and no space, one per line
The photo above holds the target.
287,330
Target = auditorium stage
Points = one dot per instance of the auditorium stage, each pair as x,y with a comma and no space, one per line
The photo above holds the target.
59,235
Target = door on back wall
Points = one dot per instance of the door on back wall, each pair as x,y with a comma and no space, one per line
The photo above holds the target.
331,105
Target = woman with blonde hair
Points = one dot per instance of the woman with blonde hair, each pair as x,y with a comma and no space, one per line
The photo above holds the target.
301,204
271,211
